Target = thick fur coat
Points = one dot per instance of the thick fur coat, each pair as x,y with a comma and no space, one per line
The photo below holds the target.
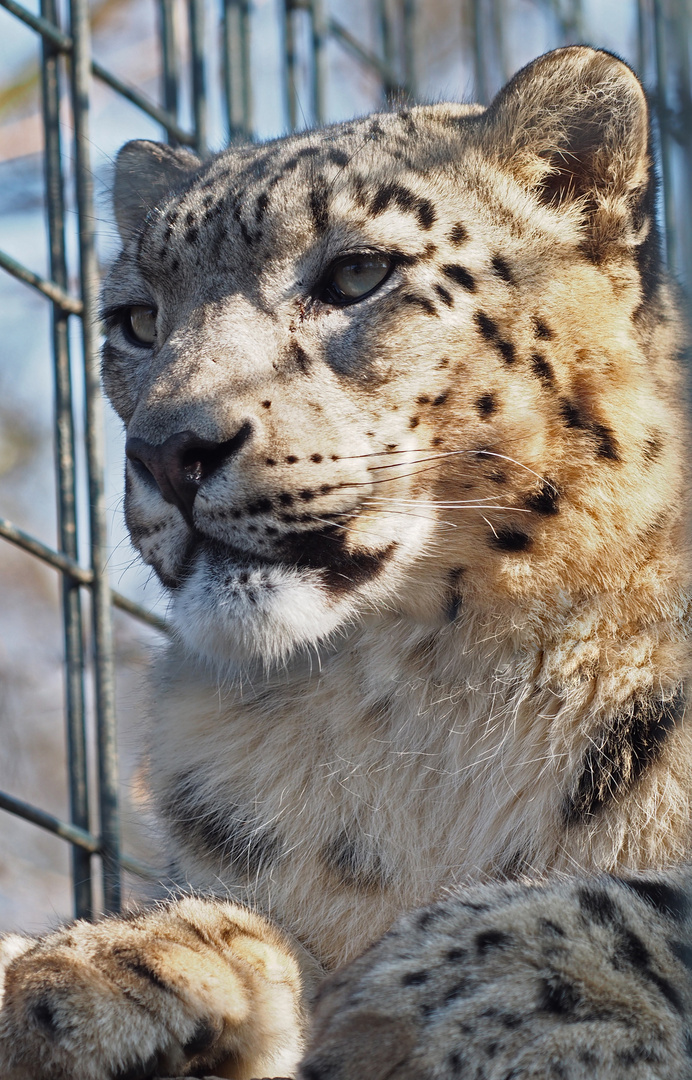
406,442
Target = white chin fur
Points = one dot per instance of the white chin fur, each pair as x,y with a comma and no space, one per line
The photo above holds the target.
234,616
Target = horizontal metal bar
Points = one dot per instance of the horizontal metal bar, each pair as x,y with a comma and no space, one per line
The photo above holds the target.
154,111
72,833
63,42
78,573
49,288
371,60
138,612
134,866
40,25
42,551
80,837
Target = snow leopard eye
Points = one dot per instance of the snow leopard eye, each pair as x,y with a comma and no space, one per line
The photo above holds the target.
140,324
354,277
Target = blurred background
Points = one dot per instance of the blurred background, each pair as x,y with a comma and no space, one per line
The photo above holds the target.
222,70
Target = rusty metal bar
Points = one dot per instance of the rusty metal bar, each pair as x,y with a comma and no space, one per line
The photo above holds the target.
289,65
368,59
410,19
479,46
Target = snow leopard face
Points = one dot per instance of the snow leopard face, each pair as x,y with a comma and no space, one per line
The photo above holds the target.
392,365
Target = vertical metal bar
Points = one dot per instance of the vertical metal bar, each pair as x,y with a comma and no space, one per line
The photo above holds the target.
170,70
479,58
642,38
101,595
245,30
577,22
664,130
681,34
199,94
498,15
231,69
290,89
319,59
386,32
236,67
390,85
410,17
570,16
66,480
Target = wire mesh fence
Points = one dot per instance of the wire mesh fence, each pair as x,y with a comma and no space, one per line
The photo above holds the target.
389,43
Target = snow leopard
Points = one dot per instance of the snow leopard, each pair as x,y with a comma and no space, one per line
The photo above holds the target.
406,444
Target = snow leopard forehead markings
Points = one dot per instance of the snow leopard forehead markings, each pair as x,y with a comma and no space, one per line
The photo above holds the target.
229,201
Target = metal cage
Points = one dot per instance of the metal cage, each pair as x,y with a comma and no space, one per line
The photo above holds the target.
307,28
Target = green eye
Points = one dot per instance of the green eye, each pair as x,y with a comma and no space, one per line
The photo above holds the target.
140,324
354,277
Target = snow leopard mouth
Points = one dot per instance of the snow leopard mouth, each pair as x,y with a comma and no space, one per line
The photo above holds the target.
237,608
323,552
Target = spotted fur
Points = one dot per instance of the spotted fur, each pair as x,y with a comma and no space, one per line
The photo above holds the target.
494,984
428,564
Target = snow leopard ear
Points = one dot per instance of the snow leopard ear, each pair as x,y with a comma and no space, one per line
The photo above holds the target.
574,127
144,174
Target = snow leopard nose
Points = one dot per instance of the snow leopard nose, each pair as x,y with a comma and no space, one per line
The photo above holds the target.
181,463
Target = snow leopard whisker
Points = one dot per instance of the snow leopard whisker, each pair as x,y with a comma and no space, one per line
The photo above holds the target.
443,521
338,525
423,517
490,526
437,460
339,176
474,504
419,472
476,453
442,455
